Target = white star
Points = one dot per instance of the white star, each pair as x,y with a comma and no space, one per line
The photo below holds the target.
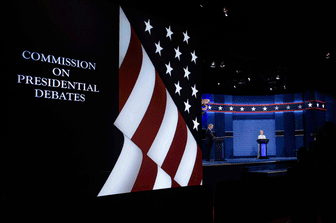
186,72
220,108
178,88
148,26
231,108
177,53
317,105
169,33
186,37
241,108
169,68
195,124
265,108
187,106
300,106
276,108
322,105
288,107
193,57
194,91
209,107
158,48
253,108
310,105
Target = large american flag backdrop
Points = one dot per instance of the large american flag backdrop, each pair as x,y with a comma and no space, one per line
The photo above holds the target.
159,107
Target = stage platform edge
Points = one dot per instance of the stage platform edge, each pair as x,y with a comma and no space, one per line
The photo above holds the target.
236,169
246,161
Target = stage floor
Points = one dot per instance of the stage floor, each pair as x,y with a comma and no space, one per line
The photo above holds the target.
246,161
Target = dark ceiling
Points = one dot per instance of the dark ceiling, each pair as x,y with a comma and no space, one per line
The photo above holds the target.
267,48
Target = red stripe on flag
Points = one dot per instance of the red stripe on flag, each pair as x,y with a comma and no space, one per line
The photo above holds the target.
129,69
146,176
176,150
175,184
196,176
151,122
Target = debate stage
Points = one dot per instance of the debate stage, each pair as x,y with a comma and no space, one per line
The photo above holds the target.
235,169
246,161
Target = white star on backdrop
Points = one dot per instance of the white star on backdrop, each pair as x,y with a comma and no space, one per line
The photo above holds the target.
164,52
242,108
300,106
276,108
193,57
209,107
310,105
186,37
231,108
187,105
178,88
265,108
148,26
169,68
195,124
220,108
177,53
253,108
194,91
186,72
158,48
169,33
288,107
317,105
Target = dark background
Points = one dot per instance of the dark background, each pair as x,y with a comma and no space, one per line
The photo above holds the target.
261,40
57,149
56,155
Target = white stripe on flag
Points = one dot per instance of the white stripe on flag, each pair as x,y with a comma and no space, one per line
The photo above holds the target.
135,108
163,180
124,35
187,163
165,135
125,171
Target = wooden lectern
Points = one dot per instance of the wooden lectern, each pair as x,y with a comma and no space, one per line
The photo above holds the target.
263,148
219,148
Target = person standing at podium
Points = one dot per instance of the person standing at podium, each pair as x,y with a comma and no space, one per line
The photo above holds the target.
261,136
209,136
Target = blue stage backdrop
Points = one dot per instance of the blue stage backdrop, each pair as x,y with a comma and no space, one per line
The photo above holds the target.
245,135
287,120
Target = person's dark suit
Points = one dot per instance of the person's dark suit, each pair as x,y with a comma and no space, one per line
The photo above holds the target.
209,136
